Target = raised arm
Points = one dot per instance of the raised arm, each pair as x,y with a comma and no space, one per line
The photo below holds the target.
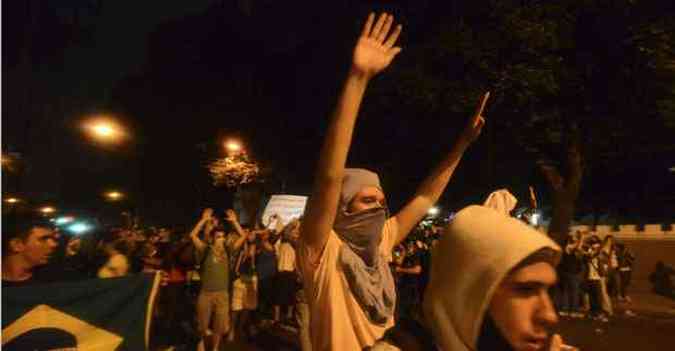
231,217
278,225
194,234
374,52
433,186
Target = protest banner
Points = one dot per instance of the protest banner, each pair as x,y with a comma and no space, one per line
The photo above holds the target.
288,207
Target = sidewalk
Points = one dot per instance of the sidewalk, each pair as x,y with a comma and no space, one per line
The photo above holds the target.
650,304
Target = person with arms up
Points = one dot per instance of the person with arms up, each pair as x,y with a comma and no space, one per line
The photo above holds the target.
213,255
346,238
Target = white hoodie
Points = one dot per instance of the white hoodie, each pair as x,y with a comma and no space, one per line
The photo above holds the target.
476,252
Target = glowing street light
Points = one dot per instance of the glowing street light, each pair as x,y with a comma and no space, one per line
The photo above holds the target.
114,195
233,146
105,130
12,200
434,211
47,210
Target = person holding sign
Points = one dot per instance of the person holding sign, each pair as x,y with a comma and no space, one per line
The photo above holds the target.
346,237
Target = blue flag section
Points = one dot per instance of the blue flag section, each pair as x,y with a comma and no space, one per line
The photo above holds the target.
99,314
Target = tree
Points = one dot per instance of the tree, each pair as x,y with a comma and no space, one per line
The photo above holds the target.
574,82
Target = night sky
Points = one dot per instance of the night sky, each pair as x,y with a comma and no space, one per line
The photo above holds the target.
182,76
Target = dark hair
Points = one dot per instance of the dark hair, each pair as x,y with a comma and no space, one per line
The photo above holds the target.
19,225
122,246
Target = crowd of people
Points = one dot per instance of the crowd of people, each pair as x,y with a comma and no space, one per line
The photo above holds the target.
594,276
219,280
349,275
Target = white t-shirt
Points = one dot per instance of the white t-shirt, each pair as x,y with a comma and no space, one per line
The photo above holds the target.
337,321
286,258
593,273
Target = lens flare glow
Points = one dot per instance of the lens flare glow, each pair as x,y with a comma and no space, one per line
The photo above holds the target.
78,228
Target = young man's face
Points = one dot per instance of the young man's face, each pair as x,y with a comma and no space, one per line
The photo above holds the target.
368,198
522,309
37,247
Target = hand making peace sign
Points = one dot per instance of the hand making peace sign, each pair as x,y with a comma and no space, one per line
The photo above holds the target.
476,123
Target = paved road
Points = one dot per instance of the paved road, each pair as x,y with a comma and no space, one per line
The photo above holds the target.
641,333
653,328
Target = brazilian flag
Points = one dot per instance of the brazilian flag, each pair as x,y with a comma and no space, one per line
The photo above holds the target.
97,314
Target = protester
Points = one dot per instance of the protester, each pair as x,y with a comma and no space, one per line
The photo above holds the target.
662,280
489,284
346,239
151,258
570,274
613,279
286,281
117,264
626,259
266,270
407,275
596,268
244,288
28,242
213,258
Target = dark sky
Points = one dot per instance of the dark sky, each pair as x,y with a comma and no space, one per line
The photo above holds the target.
184,75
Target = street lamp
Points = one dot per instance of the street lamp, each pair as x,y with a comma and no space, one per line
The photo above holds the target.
114,195
434,211
233,146
104,129
12,200
46,210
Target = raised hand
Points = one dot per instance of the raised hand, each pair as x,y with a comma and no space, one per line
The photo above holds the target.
476,123
230,216
375,49
206,215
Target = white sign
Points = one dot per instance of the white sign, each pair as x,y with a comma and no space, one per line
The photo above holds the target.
288,207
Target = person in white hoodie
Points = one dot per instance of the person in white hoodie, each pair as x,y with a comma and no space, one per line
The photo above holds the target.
488,289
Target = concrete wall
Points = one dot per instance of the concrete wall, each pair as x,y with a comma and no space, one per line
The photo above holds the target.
631,231
650,245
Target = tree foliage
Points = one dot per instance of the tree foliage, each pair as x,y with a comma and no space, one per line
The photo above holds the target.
607,67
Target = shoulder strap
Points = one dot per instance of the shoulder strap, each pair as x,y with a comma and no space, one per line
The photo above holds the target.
206,254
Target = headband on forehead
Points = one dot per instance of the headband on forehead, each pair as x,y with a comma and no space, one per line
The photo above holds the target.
353,181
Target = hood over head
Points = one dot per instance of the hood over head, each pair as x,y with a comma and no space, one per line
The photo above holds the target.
475,253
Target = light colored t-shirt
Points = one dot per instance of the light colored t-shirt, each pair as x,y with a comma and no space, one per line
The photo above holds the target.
337,320
593,273
286,257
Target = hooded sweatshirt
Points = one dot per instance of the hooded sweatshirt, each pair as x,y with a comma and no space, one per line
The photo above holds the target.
478,249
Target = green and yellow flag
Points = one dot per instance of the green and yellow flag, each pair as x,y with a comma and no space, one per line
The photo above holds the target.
98,314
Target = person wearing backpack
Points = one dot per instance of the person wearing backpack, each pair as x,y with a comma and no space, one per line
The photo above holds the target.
213,254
